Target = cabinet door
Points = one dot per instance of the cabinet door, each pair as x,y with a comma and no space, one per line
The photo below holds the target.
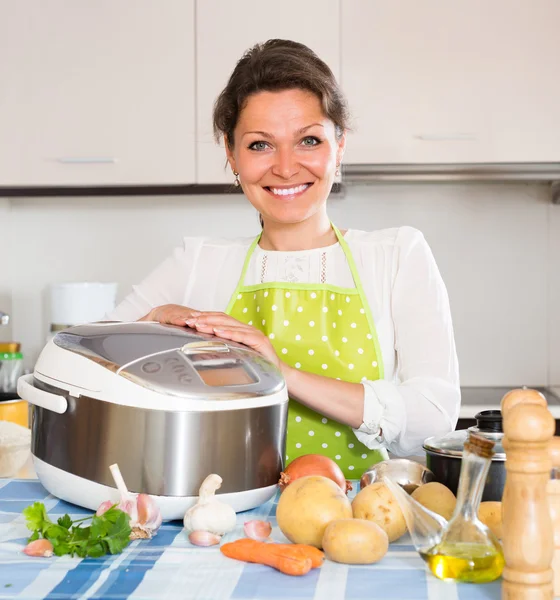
96,93
463,81
225,30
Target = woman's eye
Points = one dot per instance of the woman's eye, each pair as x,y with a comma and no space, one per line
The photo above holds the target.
259,146
310,141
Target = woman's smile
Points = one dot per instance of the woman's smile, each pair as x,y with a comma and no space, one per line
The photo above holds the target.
285,192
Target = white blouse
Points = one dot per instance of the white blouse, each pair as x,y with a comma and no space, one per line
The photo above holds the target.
420,395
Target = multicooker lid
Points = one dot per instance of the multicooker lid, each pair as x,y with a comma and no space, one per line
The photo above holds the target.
174,360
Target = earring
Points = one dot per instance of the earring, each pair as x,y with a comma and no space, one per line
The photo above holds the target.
337,172
236,183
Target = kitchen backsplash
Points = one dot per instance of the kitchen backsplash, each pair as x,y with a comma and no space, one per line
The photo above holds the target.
497,246
9,256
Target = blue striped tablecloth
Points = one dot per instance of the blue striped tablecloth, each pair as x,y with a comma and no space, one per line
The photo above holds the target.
170,568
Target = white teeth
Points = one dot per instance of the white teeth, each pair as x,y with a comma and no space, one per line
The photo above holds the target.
289,191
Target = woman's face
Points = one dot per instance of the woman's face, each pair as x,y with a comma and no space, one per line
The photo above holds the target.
285,151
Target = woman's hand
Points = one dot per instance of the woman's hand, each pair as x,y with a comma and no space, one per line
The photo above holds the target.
229,328
338,400
170,314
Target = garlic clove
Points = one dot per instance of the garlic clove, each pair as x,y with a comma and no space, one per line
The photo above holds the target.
149,517
40,547
128,505
258,530
104,507
149,513
204,538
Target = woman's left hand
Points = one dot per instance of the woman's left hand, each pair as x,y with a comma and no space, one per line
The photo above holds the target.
229,328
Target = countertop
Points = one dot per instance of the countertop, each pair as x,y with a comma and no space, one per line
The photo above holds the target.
170,568
476,399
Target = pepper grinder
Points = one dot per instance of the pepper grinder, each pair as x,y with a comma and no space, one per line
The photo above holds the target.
527,524
554,501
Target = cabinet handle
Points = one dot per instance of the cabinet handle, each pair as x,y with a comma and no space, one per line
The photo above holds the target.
446,137
76,160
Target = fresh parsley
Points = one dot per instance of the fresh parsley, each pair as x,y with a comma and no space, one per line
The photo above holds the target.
108,533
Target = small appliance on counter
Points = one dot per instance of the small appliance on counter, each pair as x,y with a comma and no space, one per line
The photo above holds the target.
76,303
167,404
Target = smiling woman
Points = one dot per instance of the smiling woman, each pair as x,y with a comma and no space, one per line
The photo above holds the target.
358,322
283,104
286,171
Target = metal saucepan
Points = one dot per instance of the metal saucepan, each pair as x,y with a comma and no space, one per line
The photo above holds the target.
444,454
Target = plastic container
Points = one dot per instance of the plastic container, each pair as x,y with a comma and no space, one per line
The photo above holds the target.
11,369
15,448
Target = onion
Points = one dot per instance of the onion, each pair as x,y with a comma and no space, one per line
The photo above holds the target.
314,464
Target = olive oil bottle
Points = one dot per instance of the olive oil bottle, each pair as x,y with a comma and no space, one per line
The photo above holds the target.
473,563
468,551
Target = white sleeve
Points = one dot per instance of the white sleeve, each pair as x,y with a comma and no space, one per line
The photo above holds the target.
166,284
425,400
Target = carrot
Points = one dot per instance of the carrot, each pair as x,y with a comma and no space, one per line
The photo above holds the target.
317,557
286,560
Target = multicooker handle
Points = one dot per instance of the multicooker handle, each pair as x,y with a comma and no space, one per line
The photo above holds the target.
28,392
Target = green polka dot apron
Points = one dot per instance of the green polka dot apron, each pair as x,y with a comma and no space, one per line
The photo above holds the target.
321,329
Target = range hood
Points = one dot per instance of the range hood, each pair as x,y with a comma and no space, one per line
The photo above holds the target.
451,172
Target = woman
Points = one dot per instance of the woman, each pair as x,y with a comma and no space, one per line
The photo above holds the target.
358,323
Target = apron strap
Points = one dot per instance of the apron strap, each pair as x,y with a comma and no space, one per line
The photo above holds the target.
361,293
243,273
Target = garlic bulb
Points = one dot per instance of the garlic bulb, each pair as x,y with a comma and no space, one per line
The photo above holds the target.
209,514
145,516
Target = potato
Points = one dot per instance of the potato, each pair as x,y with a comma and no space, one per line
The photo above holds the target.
307,506
436,497
490,513
355,542
376,503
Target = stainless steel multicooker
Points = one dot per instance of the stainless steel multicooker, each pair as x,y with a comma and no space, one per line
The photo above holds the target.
165,403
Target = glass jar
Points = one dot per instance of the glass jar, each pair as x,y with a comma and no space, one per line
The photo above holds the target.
468,551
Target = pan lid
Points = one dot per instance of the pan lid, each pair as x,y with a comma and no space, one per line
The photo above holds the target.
174,360
488,425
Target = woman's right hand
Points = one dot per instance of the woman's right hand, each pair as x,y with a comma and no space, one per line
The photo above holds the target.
171,314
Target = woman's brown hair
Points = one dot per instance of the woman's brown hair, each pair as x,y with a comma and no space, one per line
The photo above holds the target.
278,65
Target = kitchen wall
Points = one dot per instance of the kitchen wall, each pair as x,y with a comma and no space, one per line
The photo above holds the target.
497,245
9,255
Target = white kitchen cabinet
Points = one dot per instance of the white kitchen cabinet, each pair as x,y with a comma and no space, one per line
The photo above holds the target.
224,30
441,82
96,93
